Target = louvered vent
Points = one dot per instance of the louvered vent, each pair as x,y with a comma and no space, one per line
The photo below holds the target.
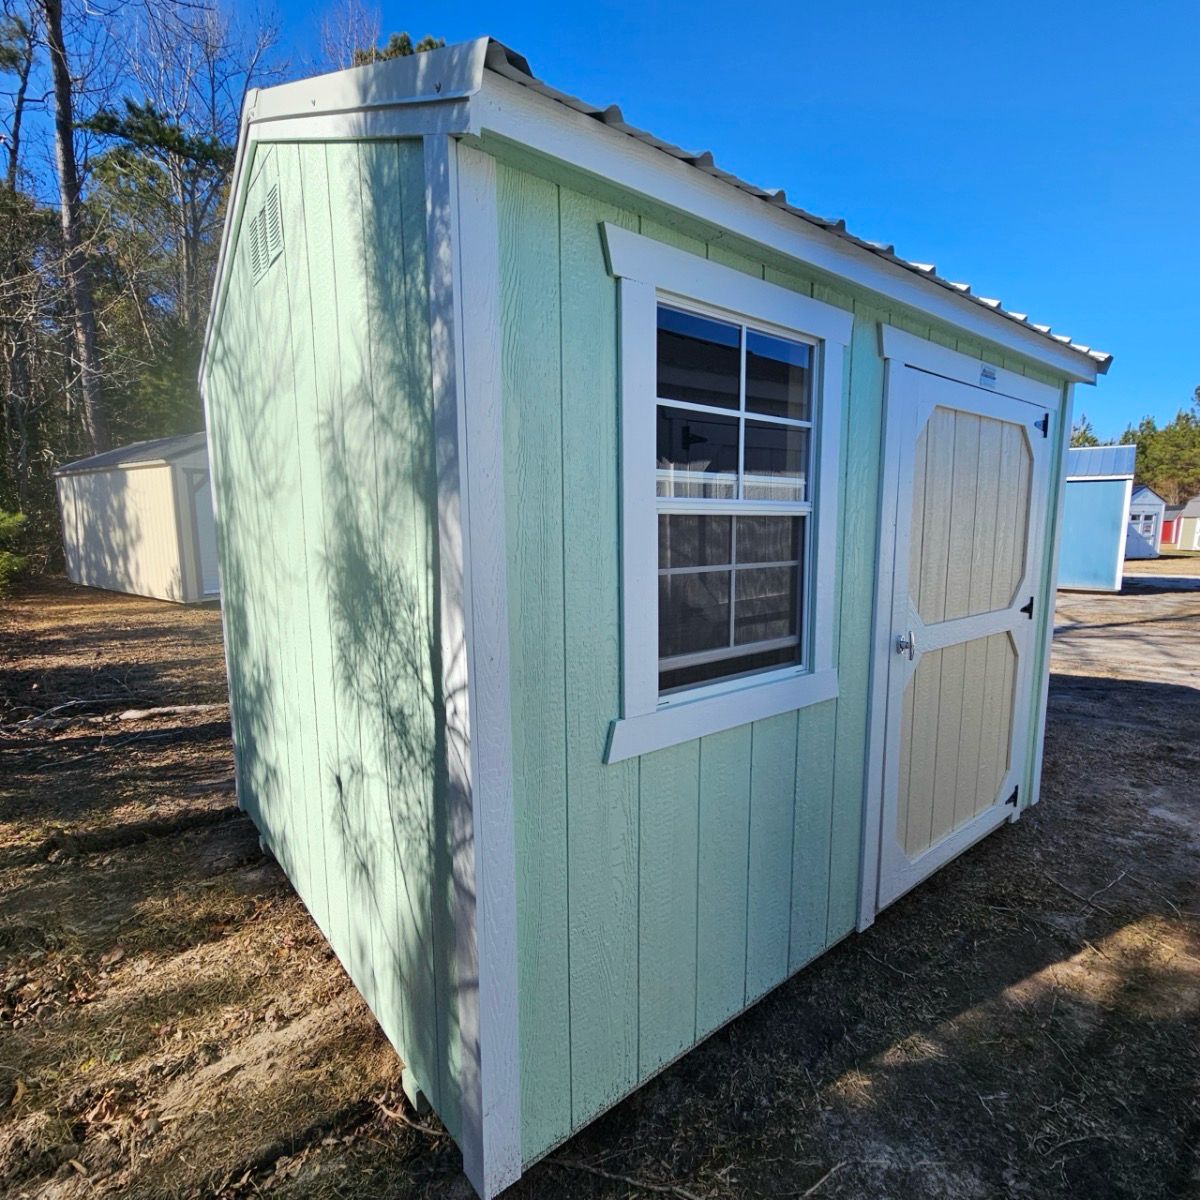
266,235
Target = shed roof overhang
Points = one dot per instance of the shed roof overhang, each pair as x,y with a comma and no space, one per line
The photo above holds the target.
482,89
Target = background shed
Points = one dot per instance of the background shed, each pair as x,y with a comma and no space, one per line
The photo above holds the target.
1095,516
1181,525
1146,512
139,519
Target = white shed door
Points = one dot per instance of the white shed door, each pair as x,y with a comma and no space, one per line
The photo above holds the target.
971,479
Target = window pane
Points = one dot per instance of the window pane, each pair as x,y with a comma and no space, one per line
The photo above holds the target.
699,359
768,539
697,454
766,604
778,376
682,677
685,540
693,612
776,462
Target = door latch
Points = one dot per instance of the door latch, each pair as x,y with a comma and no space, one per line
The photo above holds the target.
906,643
1027,608
1043,424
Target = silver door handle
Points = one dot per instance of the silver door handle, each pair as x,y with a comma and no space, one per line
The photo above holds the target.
906,643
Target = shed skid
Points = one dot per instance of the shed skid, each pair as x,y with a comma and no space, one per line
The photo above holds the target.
468,457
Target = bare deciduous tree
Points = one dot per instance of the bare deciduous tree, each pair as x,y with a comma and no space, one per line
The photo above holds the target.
78,278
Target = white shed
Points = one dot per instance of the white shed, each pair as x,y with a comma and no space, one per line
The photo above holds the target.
1146,511
139,519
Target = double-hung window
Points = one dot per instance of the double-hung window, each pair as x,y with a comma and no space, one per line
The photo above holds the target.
733,440
730,415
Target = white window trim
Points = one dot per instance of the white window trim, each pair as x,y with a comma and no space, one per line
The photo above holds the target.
646,270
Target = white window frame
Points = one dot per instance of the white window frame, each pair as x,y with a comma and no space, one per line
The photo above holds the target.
647,272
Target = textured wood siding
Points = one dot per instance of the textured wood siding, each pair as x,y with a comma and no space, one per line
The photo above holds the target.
122,531
657,897
320,410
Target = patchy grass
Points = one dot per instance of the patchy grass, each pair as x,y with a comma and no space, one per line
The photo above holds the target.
172,1023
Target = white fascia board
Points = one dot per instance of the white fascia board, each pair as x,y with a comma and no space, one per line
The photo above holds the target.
452,73
515,113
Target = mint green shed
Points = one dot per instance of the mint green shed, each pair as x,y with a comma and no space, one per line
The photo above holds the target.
632,583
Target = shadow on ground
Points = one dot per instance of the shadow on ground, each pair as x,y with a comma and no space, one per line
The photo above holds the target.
1027,1023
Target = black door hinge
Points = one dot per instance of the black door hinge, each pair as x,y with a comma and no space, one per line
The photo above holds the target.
1013,798
1027,609
1043,424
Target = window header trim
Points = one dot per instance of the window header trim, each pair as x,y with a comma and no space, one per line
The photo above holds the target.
691,278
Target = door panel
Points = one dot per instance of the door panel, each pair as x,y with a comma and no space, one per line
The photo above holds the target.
971,470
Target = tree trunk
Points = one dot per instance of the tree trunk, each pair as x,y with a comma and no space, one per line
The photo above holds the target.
78,280
17,398
14,137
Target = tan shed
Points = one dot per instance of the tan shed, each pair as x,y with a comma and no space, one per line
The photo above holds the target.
139,519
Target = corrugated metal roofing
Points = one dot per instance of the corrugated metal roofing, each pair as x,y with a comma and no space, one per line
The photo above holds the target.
514,66
159,450
1087,461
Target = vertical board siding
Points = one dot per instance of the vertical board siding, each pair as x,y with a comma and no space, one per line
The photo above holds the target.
657,897
769,886
602,835
531,368
815,729
320,414
121,532
667,886
723,856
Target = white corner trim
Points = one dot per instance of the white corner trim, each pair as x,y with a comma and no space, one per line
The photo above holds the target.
632,736
1052,552
644,260
896,345
1123,540
517,114
645,270
897,403
464,261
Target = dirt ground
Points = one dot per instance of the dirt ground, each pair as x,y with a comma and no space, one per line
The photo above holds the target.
1026,1024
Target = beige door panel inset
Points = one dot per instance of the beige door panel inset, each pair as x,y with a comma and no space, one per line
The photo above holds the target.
971,472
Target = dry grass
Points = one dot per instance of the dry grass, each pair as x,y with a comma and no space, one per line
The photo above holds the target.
173,1024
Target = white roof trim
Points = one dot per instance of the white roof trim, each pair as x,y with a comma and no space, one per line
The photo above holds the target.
488,88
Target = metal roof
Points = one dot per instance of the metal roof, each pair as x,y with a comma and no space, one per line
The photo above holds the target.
514,66
1085,462
140,454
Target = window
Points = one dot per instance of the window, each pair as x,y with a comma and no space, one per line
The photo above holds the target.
730,416
733,443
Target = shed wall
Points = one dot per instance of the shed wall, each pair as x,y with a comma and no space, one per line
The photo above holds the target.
120,531
1095,515
320,417
659,896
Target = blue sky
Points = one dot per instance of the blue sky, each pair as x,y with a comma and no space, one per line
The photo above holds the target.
1049,154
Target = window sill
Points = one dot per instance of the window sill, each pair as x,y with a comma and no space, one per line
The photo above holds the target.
684,722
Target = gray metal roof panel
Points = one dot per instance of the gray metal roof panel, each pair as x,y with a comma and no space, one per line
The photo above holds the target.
505,62
159,450
1092,461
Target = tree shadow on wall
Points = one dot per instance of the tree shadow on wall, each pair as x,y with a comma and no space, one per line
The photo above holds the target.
329,526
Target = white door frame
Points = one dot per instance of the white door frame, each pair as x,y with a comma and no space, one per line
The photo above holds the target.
902,350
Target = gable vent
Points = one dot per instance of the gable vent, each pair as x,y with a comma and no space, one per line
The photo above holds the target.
265,235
